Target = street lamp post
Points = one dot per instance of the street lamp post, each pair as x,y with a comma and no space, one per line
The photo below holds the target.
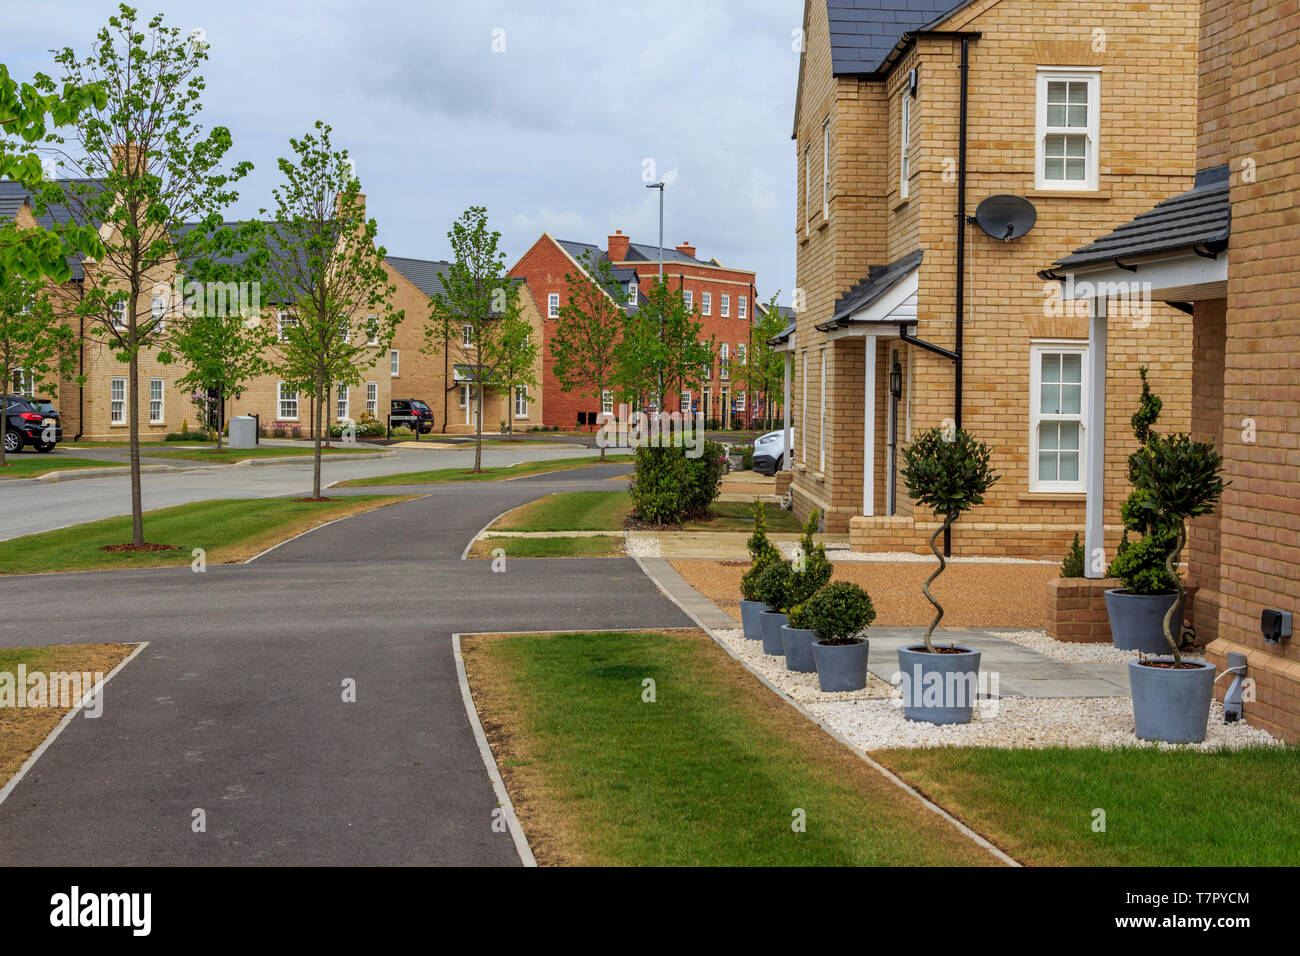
660,186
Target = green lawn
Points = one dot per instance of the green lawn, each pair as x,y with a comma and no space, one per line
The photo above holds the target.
227,530
228,456
35,465
592,547
108,444
570,511
1162,807
716,772
608,511
444,475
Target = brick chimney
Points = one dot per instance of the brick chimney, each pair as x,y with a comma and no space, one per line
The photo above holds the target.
618,244
687,249
126,159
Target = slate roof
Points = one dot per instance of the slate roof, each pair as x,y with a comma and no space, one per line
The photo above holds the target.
13,195
640,252
1200,217
424,274
879,280
784,334
865,32
622,274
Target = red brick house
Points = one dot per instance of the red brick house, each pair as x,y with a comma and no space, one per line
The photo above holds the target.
724,300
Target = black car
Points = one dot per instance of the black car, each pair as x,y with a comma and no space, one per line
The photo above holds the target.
408,412
32,421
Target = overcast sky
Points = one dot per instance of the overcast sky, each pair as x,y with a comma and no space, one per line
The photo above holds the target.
552,134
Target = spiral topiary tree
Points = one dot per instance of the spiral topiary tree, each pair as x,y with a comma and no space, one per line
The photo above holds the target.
949,473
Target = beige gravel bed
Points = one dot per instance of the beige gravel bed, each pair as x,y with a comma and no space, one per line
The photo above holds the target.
974,594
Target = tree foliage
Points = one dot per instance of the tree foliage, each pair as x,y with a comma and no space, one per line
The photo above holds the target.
33,340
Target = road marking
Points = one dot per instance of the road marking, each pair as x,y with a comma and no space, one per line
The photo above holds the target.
8,788
485,751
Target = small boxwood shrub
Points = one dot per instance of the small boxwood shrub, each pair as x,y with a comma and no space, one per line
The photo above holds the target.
775,585
837,613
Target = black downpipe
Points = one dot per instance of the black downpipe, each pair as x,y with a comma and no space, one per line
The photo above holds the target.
961,250
81,366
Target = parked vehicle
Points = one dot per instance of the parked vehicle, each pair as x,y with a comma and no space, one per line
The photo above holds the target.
412,413
32,421
769,450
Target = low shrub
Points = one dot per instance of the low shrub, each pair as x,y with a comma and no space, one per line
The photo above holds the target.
668,487
401,431
774,585
837,613
279,431
762,552
1073,565
746,453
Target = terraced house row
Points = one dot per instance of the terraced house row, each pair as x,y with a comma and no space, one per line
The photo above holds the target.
93,399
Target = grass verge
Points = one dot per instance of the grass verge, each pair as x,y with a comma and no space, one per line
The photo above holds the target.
444,475
609,510
229,456
1162,807
717,771
33,466
228,531
593,547
23,728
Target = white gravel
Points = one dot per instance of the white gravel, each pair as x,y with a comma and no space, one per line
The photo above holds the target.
643,547
872,718
1075,653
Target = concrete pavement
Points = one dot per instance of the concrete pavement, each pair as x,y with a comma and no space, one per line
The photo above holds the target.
236,706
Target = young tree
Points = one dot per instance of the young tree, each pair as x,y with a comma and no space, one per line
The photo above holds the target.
322,267
24,111
765,367
143,167
660,348
515,370
585,345
33,343
222,339
478,298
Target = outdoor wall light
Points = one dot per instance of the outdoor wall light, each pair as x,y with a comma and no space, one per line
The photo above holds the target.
1275,625
896,381
913,81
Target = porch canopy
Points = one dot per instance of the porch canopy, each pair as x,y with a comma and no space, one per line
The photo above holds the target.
1175,253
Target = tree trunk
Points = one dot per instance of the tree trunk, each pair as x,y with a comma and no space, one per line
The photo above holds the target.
315,470
1171,564
925,588
132,411
4,416
221,415
478,424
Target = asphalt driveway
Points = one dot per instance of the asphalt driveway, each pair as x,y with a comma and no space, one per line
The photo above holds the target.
236,707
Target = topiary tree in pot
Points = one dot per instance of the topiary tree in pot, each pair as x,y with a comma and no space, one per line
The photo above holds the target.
1149,590
1175,478
949,473
774,587
812,571
762,552
837,614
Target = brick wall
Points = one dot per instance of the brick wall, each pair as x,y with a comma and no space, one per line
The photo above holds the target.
1146,156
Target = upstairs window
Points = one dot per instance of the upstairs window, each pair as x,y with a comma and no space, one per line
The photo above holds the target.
742,307
905,148
1066,146
725,305
706,303
689,298
826,168
553,305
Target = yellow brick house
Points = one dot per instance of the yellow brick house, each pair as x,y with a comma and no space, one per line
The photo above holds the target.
914,123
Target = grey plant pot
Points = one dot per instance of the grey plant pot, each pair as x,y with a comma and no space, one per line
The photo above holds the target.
1137,621
841,666
772,622
1171,705
749,620
939,688
798,649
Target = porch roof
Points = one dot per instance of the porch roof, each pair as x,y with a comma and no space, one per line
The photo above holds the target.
1198,221
879,281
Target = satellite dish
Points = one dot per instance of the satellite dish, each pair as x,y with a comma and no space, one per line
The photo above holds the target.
1006,217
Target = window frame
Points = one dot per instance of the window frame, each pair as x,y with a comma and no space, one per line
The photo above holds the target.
394,362
905,147
343,404
688,297
607,401
372,399
807,188
281,324
553,305
521,391
117,406
161,417
282,398
706,303
742,307
372,330
724,305
1037,349
826,169
724,361
1091,133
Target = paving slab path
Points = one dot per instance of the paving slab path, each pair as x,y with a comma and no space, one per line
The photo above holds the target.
236,706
